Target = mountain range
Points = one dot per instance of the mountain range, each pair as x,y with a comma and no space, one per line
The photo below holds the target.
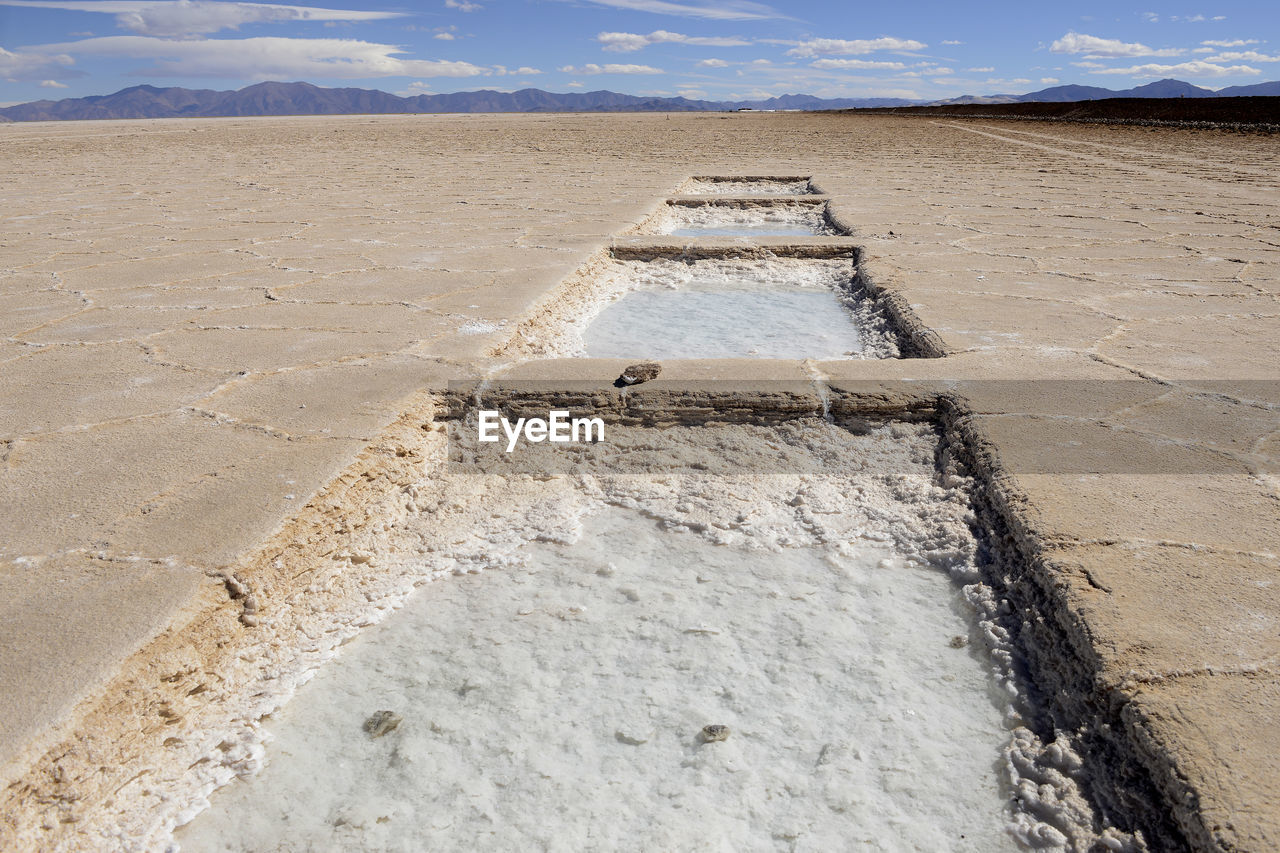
280,99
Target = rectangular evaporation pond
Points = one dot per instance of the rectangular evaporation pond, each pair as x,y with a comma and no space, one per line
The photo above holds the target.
736,308
559,699
745,186
742,220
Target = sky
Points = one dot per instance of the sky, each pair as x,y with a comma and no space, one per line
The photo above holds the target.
704,49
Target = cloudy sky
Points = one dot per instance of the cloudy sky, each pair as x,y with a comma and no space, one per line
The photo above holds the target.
717,49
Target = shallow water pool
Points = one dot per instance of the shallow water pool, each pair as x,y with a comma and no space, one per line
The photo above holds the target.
799,585
715,321
736,308
561,707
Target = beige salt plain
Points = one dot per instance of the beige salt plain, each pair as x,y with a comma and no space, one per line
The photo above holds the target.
220,338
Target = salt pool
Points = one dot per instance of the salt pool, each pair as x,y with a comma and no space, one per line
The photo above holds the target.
819,603
724,308
746,186
714,322
726,220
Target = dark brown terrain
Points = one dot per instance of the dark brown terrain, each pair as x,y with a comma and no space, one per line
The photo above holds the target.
1255,113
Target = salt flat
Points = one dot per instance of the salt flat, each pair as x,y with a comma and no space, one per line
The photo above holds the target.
215,328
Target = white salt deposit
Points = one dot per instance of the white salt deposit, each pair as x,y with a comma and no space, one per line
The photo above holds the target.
745,186
555,701
716,308
749,229
560,705
721,220
702,322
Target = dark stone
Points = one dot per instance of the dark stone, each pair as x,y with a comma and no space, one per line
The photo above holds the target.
637,373
381,723
711,734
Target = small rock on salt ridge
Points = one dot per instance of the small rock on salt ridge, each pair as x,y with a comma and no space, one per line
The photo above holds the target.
645,371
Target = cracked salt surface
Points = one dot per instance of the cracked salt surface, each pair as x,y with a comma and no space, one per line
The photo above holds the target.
557,699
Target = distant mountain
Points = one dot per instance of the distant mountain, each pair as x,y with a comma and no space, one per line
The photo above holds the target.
1066,94
283,99
1072,94
1255,90
1166,89
810,102
981,99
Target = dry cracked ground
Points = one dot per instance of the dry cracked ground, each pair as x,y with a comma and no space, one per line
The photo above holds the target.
202,323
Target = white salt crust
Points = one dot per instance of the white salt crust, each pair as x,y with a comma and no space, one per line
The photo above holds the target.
727,220
695,186
560,333
844,495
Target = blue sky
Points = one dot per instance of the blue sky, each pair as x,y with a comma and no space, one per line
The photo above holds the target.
716,49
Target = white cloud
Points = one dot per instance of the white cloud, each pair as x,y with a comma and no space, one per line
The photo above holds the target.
463,5
503,71
611,68
1150,17
52,84
1049,81
1202,50
627,42
25,65
574,85
927,70
1231,43
1099,48
1242,56
183,18
951,42
986,69
1186,69
266,58
692,94
417,87
713,63
858,64
726,10
844,47
1086,63
444,36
